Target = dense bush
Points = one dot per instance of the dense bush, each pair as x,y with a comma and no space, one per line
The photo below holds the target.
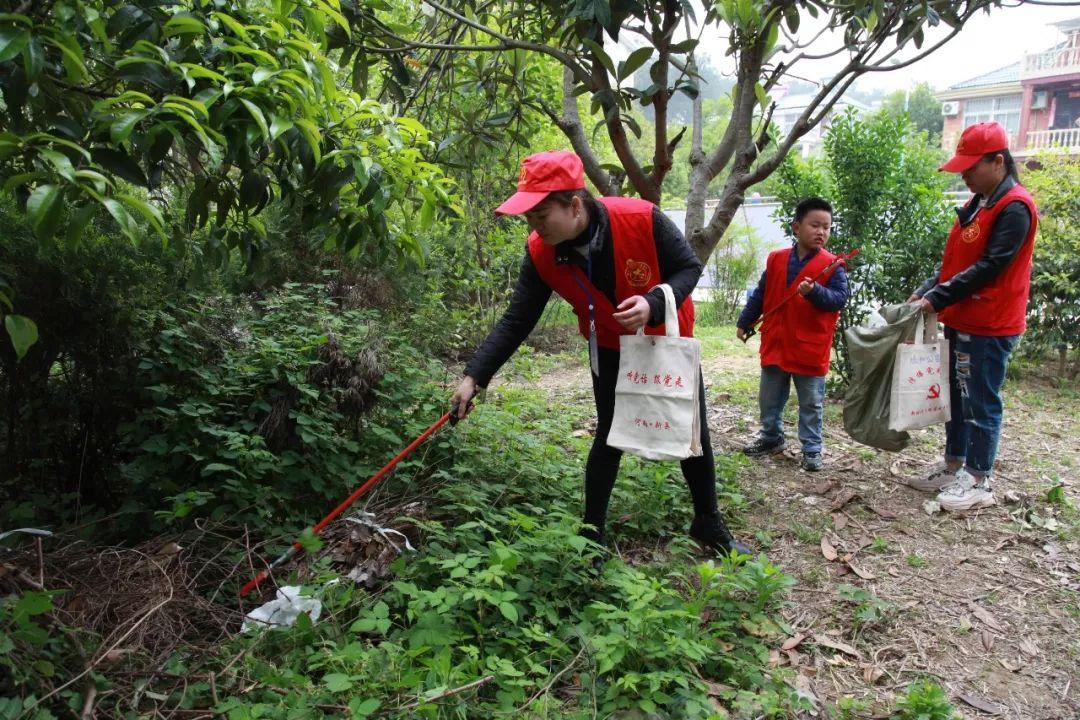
64,400
888,199
1054,308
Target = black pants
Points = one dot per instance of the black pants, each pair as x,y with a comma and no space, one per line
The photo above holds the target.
603,464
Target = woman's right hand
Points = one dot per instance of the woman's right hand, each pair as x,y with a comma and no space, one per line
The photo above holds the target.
462,399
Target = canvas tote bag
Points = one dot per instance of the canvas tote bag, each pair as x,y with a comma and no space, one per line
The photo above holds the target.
920,382
657,403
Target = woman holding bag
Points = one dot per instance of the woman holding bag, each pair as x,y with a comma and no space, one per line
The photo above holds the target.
603,256
980,292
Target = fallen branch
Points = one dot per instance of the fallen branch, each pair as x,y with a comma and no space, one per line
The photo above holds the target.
449,693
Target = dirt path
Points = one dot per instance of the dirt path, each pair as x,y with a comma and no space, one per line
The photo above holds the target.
987,603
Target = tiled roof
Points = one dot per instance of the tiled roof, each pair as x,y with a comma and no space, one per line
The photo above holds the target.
1007,74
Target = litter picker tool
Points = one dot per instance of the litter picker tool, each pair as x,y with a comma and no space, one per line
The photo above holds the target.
296,547
842,258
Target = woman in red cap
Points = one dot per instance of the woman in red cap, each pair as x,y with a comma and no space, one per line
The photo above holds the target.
980,292
603,256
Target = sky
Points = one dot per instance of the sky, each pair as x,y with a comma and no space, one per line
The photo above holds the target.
986,43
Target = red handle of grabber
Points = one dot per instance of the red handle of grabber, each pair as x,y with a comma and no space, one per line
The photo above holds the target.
752,330
318,527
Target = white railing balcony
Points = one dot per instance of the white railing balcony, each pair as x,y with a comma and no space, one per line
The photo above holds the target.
1060,61
1067,140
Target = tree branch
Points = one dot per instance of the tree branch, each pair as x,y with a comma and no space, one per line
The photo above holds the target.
570,124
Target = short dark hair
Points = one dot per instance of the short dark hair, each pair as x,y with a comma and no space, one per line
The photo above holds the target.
563,198
811,203
1010,164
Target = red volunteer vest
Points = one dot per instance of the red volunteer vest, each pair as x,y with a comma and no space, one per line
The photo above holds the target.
797,337
999,308
636,272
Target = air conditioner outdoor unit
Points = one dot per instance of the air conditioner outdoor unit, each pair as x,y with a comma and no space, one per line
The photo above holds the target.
1040,100
948,109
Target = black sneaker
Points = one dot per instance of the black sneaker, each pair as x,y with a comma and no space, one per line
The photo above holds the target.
710,531
761,446
596,562
811,461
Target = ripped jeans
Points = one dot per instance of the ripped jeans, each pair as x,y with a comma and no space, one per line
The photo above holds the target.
976,374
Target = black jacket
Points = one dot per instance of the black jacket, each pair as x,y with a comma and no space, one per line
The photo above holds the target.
679,267
1006,237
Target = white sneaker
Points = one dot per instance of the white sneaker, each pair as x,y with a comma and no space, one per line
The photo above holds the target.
934,479
965,494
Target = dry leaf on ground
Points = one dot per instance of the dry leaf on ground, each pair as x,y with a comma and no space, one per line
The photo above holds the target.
827,549
871,673
977,702
984,615
843,498
793,642
861,572
828,642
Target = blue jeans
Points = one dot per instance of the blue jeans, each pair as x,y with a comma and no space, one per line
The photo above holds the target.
773,395
976,375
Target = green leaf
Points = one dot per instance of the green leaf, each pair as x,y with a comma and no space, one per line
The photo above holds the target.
427,213
72,57
119,163
762,97
361,708
337,682
311,133
602,56
261,74
184,25
60,163
79,220
278,126
121,128
151,213
43,210
127,225
33,603
636,59
508,611
23,333
12,42
260,119
233,25
33,60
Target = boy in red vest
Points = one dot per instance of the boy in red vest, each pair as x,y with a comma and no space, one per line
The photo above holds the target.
603,256
980,293
796,339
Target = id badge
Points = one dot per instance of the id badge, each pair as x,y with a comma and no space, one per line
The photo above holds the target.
594,351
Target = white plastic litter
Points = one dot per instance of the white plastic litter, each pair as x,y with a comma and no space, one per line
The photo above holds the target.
875,319
26,531
283,610
368,520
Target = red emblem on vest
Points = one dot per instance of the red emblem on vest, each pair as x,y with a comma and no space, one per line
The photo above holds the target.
970,233
638,274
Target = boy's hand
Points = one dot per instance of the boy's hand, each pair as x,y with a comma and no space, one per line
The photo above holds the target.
633,313
740,333
805,287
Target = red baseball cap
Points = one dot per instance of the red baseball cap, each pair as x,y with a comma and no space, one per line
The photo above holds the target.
976,141
541,174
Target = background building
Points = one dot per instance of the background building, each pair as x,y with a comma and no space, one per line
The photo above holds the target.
1037,99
